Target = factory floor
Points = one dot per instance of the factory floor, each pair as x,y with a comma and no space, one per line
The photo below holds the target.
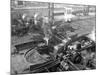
18,63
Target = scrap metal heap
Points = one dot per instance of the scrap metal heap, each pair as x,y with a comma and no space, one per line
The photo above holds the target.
76,54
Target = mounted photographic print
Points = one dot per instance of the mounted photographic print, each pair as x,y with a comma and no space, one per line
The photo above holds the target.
52,37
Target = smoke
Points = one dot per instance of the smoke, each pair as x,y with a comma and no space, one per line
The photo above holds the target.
46,39
92,35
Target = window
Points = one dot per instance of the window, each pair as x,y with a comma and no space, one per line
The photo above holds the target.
20,3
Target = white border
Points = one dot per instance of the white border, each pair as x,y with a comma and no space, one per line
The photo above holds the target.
5,36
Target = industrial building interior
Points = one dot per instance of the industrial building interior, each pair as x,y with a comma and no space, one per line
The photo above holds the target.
52,37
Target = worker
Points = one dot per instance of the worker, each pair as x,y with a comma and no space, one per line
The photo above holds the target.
35,18
46,29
